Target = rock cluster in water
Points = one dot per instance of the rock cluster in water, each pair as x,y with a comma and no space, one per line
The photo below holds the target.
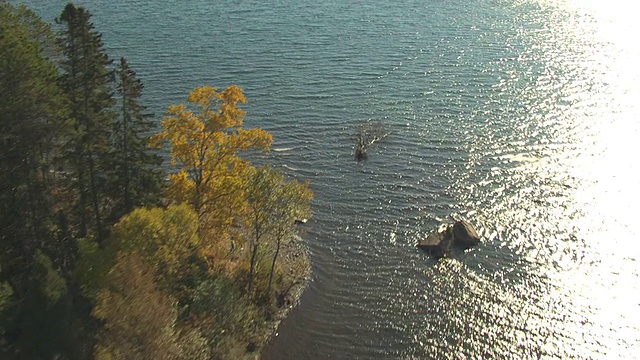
460,235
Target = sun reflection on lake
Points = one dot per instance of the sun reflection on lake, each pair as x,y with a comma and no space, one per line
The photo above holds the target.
605,284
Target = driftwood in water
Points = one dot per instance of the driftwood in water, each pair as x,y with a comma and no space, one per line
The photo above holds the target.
366,136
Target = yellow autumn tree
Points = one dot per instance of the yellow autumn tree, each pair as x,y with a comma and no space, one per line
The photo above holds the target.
204,141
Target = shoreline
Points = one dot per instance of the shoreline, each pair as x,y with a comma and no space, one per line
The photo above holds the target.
290,252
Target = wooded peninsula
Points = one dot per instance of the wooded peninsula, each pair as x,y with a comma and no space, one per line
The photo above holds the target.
123,239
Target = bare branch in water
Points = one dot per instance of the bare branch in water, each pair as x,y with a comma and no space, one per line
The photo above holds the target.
368,134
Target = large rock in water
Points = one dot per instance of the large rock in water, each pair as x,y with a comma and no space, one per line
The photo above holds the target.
437,244
444,243
464,235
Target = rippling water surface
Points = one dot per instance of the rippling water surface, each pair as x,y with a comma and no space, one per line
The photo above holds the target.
522,116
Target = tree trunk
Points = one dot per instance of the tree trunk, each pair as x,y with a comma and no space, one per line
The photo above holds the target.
82,207
254,253
273,264
95,201
125,160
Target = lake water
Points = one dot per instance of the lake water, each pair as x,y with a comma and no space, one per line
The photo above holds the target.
522,116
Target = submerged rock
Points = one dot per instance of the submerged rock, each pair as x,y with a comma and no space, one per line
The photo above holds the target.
460,235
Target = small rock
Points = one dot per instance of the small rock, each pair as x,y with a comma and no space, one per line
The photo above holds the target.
464,235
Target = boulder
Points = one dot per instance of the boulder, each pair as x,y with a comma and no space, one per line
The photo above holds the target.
464,235
449,240
437,244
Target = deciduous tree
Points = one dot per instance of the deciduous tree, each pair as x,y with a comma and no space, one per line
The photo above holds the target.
139,319
167,238
292,206
148,269
261,196
205,144
273,207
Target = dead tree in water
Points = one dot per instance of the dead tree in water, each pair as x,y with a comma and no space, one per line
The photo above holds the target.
366,136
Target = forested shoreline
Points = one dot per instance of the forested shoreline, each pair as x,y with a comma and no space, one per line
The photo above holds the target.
103,254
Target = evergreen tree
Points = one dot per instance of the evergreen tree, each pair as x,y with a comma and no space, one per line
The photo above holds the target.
32,114
87,82
139,181
38,318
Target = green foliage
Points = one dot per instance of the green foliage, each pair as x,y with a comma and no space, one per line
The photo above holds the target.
53,285
92,266
139,319
43,318
5,295
47,323
169,239
32,109
224,311
164,283
149,265
260,197
273,206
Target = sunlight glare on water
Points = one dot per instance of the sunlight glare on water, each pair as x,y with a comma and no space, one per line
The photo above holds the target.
564,206
598,283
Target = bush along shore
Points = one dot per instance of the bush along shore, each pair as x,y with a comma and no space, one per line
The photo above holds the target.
105,255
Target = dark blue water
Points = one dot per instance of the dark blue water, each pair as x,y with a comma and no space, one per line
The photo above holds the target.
521,116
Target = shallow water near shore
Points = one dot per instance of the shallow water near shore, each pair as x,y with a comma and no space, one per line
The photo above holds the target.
521,116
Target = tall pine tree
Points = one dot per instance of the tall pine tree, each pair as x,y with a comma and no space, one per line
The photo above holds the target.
139,179
33,110
38,319
87,81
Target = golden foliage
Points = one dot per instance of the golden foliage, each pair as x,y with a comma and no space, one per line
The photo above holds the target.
205,145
